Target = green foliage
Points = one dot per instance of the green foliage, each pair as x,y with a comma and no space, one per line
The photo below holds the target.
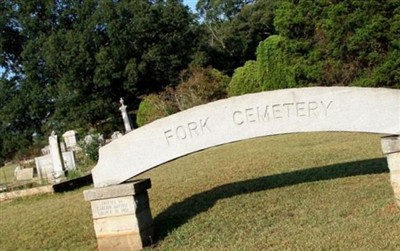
66,63
73,174
91,145
244,80
198,86
349,42
11,40
346,43
234,28
275,68
154,106
217,9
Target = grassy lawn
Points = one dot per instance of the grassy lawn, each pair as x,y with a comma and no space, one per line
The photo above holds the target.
313,191
7,174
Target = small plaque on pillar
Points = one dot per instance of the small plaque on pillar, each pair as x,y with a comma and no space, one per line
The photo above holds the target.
121,215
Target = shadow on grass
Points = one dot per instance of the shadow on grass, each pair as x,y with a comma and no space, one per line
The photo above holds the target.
180,213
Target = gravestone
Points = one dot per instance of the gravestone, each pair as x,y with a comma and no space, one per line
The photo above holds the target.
70,140
18,168
342,109
63,148
44,164
69,160
51,166
23,174
56,157
45,150
90,138
116,135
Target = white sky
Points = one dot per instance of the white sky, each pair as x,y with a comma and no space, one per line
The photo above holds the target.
191,4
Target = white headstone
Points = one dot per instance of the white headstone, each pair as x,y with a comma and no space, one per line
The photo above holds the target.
56,157
70,140
16,170
23,174
349,109
69,160
116,135
44,164
125,117
45,150
88,139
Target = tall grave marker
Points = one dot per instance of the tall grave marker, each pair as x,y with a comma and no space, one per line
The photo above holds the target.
125,117
56,157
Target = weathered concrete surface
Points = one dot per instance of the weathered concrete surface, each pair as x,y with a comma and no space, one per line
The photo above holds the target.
345,109
24,174
391,148
130,188
25,192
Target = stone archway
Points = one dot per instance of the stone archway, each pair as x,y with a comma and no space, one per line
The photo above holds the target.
343,109
121,212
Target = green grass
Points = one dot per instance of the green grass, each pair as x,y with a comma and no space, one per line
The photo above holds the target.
7,174
313,191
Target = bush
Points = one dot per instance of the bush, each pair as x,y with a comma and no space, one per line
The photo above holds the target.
91,144
244,80
275,66
155,106
198,86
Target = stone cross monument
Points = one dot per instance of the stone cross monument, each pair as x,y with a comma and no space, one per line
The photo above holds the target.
125,117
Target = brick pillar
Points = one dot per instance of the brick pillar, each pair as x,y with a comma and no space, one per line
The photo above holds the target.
121,215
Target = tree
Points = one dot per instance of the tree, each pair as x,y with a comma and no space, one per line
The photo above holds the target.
348,42
11,40
235,27
69,61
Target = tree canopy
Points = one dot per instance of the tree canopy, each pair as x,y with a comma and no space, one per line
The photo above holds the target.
67,62
346,43
64,64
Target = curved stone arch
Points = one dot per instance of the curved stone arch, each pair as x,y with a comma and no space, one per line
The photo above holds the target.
343,109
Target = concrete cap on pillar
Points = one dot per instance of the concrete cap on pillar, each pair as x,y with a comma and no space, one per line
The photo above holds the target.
390,144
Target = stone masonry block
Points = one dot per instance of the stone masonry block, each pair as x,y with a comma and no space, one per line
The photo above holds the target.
131,188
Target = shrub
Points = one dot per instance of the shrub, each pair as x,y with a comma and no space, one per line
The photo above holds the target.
244,80
91,144
198,86
155,106
275,67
